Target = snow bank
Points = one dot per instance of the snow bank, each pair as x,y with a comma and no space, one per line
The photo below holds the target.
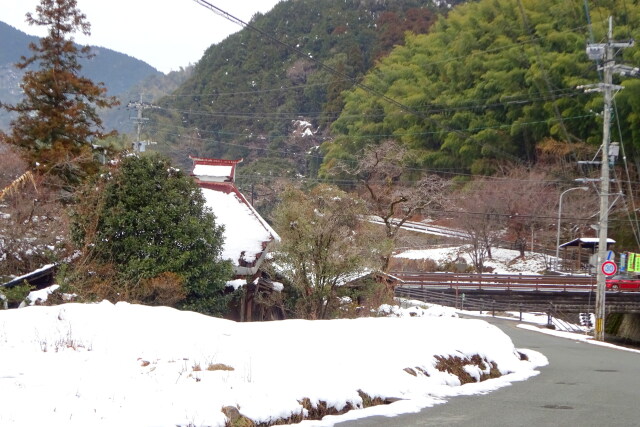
114,365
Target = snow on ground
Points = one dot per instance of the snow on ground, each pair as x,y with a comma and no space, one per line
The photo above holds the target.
412,308
536,322
505,261
123,364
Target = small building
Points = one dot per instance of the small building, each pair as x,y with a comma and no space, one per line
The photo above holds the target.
371,288
247,236
582,249
37,279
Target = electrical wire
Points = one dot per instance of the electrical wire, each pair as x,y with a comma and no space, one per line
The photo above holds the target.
403,107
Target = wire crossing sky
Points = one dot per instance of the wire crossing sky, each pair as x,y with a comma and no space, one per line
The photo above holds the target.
166,34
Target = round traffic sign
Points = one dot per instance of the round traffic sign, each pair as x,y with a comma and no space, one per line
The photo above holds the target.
609,268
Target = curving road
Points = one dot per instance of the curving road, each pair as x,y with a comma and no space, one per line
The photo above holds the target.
584,385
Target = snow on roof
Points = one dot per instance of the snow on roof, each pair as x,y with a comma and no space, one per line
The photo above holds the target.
246,233
585,240
35,274
236,283
213,170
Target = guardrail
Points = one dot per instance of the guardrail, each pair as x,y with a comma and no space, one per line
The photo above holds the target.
565,318
518,282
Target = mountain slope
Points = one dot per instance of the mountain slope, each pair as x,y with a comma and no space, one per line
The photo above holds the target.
119,72
247,91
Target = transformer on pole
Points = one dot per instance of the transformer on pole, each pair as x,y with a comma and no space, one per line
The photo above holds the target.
605,52
138,145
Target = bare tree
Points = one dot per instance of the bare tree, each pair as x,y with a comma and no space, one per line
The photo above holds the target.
481,217
33,227
530,199
391,196
324,244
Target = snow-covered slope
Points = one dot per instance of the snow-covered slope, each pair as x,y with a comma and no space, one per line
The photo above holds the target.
120,365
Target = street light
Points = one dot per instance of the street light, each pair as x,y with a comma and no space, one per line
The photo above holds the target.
560,213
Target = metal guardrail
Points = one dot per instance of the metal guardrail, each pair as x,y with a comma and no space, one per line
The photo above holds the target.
519,282
462,301
556,318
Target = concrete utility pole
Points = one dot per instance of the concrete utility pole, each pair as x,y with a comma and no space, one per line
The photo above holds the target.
606,53
138,145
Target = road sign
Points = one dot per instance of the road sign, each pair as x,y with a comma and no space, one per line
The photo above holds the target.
609,268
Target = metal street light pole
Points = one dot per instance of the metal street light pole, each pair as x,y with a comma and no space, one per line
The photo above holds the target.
559,219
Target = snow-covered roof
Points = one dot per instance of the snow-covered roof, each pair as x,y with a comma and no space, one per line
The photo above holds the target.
214,170
246,234
245,231
586,241
39,278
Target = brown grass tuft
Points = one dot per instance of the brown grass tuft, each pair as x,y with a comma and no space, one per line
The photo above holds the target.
219,367
455,365
314,412
410,371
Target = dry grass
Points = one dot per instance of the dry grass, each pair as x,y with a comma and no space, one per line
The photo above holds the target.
219,367
406,264
455,365
314,412
414,371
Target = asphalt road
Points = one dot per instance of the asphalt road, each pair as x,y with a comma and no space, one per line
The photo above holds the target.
584,385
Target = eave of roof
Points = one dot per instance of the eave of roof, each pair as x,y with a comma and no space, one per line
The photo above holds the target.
585,242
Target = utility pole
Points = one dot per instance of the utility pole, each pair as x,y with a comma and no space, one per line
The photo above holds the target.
139,145
606,53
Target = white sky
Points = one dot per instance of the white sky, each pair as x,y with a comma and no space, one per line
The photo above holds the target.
166,34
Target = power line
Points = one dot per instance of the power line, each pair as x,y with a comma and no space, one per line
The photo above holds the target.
249,92
440,171
435,108
475,129
356,83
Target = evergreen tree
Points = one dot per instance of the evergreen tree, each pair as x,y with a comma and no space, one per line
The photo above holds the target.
148,222
57,120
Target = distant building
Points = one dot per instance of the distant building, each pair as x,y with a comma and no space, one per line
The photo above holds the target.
247,240
247,236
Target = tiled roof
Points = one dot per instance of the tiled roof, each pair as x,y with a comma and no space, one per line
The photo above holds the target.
247,235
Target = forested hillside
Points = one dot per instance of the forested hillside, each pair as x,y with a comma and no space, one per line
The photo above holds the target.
494,83
247,91
474,87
